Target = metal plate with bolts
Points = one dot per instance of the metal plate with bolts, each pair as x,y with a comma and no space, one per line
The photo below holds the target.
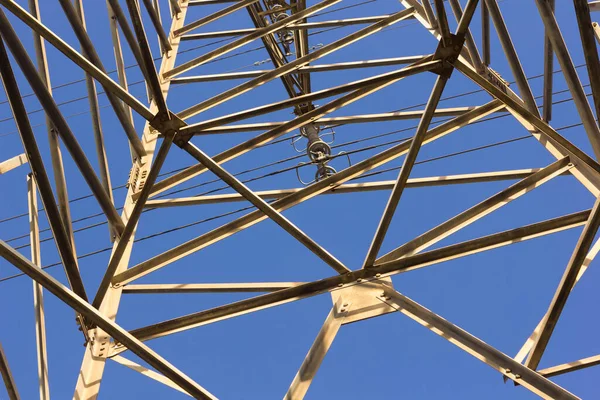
364,300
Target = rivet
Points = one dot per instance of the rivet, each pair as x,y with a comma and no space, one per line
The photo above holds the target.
359,280
517,376
377,275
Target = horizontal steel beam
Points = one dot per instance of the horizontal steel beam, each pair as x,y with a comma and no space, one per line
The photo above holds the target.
208,2
167,288
293,65
570,367
350,188
294,27
301,99
93,315
307,68
12,163
236,44
362,275
212,17
337,121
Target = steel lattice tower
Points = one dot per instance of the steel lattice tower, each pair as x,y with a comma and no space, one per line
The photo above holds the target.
282,29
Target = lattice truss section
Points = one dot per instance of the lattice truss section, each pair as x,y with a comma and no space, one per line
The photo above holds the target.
210,111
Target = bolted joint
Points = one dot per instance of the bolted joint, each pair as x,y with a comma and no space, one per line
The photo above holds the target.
445,70
83,326
303,108
169,125
448,53
181,140
100,343
165,122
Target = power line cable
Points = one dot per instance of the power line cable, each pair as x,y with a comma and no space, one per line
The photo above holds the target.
280,171
260,167
178,228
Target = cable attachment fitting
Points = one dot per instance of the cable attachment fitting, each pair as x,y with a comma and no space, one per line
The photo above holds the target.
318,151
277,10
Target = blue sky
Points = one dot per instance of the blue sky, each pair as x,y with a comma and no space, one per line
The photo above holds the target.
498,296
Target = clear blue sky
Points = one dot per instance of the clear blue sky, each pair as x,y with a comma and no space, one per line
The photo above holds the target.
498,295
